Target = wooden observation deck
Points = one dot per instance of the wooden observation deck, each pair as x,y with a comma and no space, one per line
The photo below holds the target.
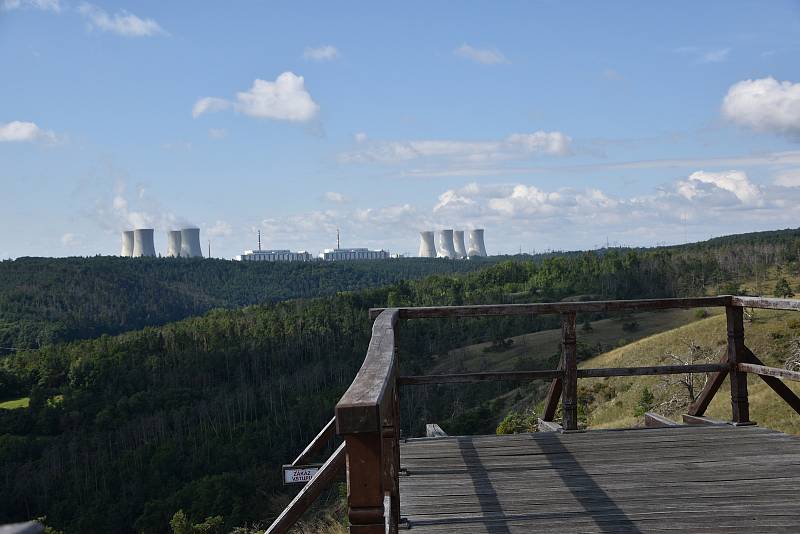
702,476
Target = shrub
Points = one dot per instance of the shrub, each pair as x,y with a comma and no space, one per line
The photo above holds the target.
515,422
700,313
646,403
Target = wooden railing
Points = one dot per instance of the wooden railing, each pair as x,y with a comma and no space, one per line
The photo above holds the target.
368,418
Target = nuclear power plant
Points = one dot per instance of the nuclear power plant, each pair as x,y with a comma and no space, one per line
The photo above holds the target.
190,243
451,244
143,243
184,243
173,244
127,244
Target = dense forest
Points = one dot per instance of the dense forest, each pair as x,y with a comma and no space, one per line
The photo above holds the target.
123,431
47,300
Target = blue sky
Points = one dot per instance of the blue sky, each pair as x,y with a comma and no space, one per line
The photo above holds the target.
554,125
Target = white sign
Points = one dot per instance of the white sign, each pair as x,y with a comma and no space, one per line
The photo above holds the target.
300,474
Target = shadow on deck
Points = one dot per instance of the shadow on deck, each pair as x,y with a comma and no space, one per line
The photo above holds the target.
682,479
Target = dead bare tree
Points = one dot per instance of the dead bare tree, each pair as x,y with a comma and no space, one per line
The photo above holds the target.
682,390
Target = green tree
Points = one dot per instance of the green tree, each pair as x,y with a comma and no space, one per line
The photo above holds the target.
646,403
783,289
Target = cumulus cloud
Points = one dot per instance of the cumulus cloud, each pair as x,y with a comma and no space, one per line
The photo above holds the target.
336,198
765,105
42,5
69,239
284,99
121,23
515,146
734,182
20,131
321,53
486,56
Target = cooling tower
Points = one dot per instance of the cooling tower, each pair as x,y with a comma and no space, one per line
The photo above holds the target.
458,241
143,242
173,243
127,244
476,246
190,243
426,247
446,248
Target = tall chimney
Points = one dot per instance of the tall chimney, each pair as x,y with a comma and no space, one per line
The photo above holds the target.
174,243
426,247
127,244
476,246
458,241
446,248
190,243
143,242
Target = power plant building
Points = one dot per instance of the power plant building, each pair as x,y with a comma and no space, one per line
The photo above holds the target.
476,245
174,243
345,254
458,243
450,244
190,243
274,255
446,247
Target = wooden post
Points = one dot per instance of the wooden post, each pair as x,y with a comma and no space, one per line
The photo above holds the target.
737,353
364,482
569,363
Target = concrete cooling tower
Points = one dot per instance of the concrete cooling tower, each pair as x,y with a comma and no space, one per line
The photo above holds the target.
143,242
458,242
127,244
190,243
426,247
173,244
446,248
476,246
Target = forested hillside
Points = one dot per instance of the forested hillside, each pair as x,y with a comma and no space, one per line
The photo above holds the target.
47,300
123,431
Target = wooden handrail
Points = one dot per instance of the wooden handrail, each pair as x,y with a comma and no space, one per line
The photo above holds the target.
766,303
309,493
359,408
763,370
317,444
494,310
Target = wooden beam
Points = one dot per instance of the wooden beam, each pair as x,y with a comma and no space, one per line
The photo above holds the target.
569,359
766,303
553,396
740,405
464,378
317,444
701,420
652,370
776,384
700,405
763,370
654,420
432,430
359,409
309,493
488,310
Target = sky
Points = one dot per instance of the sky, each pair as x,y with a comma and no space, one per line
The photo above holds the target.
553,125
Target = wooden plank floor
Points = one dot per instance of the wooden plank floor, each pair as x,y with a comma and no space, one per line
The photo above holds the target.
684,479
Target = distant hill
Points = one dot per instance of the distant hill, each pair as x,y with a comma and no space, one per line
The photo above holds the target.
47,300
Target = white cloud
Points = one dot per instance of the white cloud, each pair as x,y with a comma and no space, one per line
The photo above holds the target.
217,133
120,23
321,53
220,229
481,55
209,104
765,105
359,137
69,239
284,99
735,182
515,146
20,131
714,56
336,198
43,5
788,178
